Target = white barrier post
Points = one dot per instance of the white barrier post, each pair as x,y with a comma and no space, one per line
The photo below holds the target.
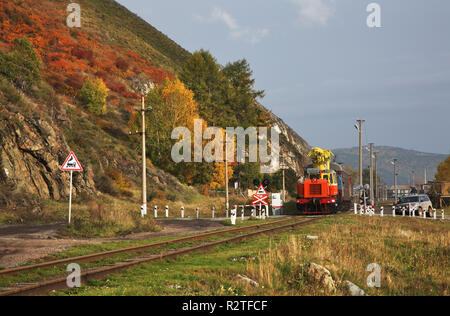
243,212
212,211
443,214
196,212
434,214
414,212
404,211
253,211
233,216
267,211
156,211
167,211
361,210
226,212
425,214
182,212
393,211
382,211
355,208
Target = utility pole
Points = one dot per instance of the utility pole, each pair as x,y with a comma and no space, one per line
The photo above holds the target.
359,128
144,159
371,174
143,86
377,193
395,180
283,168
227,201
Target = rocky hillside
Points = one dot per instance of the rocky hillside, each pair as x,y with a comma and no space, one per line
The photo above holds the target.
41,122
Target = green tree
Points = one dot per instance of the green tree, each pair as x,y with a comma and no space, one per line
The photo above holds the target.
443,171
225,95
22,66
93,96
246,173
241,97
203,76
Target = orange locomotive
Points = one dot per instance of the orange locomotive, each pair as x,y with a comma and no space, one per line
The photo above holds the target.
326,187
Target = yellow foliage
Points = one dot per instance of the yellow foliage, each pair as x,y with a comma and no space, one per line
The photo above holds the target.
179,103
219,175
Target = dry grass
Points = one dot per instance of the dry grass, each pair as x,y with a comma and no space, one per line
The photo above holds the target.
413,254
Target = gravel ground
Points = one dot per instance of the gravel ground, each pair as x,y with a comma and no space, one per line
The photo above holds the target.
22,243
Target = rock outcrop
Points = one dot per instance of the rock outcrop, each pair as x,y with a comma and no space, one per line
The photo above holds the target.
31,153
294,149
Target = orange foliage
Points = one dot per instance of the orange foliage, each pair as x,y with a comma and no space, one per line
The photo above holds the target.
72,54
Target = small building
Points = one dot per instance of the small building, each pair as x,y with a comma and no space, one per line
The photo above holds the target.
402,190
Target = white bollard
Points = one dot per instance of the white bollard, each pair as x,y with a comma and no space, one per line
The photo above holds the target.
361,209
434,214
243,212
156,211
382,211
167,211
403,212
253,212
233,216
196,212
226,213
213,211
425,214
414,212
267,211
355,208
393,211
182,212
443,214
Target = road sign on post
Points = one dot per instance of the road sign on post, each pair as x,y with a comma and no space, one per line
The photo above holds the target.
71,164
260,196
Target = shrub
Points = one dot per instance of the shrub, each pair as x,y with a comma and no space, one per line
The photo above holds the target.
22,66
93,96
105,184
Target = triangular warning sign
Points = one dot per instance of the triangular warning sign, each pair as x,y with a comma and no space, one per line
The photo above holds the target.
71,164
261,191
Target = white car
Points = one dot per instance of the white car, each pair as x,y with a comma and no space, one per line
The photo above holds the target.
419,202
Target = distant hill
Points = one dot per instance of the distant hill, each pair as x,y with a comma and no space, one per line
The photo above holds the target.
409,161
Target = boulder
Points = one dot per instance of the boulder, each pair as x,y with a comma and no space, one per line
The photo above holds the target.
354,289
320,276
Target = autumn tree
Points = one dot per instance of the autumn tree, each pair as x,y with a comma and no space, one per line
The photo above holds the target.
93,96
443,171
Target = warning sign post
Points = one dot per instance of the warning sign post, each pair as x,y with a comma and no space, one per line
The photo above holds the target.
71,164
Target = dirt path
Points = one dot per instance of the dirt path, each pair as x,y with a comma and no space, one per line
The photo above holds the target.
22,243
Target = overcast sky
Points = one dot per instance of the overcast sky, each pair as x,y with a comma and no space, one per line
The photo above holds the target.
322,67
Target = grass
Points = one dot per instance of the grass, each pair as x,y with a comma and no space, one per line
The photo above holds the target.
413,254
46,273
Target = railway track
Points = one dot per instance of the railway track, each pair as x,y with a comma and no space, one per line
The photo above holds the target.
43,287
